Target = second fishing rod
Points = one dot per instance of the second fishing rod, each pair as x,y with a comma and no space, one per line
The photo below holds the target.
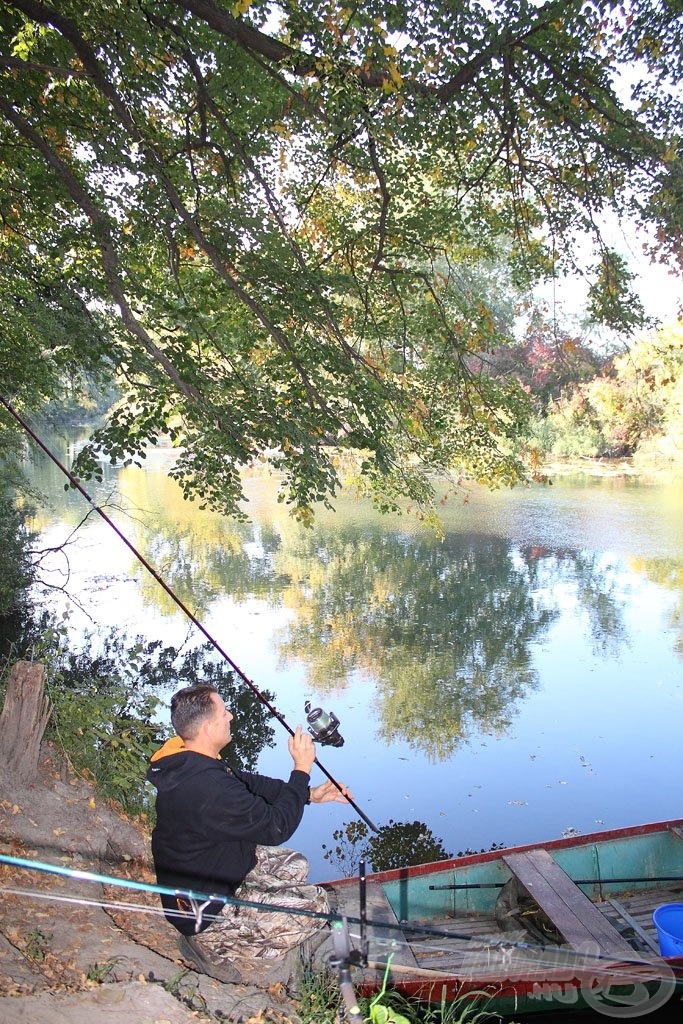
323,727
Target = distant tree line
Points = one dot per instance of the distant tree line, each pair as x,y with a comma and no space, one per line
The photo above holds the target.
592,405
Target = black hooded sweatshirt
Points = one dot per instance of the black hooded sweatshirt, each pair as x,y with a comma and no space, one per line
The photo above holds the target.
210,819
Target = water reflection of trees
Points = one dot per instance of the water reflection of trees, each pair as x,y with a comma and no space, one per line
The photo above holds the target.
195,551
443,627
599,593
668,574
596,585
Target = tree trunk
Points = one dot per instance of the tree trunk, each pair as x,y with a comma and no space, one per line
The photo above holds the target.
23,720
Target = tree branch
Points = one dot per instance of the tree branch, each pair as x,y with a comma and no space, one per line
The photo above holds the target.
49,69
110,261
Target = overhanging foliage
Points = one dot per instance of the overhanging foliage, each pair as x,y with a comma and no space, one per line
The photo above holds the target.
270,221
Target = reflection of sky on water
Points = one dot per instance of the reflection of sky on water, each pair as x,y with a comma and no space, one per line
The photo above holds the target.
595,743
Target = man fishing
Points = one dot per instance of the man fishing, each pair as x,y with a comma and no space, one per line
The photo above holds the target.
219,831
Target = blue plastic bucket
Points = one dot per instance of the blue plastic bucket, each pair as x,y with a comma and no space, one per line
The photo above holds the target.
668,920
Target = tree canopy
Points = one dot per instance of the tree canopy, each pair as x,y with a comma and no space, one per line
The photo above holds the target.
289,228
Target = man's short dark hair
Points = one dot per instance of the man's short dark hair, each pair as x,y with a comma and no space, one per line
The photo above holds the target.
190,707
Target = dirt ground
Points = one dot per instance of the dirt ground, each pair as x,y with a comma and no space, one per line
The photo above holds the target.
76,950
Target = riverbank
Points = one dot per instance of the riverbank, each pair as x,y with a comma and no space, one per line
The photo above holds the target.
74,950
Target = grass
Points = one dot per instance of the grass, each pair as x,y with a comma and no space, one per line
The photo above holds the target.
318,997
37,945
319,1002
105,971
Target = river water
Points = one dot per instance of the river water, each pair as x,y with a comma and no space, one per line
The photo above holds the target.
518,679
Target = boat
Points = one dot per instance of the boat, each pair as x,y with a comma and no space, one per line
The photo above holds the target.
566,924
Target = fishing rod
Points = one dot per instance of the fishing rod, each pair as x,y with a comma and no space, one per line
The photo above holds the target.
576,881
314,717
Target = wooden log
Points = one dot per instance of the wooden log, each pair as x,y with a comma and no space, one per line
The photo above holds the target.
22,723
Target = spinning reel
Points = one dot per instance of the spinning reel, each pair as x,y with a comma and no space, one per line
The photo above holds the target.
323,727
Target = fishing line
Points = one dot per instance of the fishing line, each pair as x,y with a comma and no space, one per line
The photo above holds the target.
134,908
174,597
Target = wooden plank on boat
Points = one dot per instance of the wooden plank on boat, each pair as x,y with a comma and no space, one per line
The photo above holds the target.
676,831
577,919
383,941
